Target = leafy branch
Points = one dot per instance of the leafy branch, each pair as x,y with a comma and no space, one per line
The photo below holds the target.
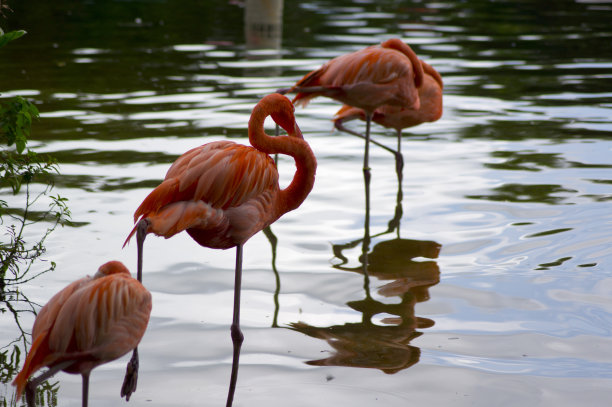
20,169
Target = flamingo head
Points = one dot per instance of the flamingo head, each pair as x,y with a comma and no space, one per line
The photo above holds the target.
111,267
283,114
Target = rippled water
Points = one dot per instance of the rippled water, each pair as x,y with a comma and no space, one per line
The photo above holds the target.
490,279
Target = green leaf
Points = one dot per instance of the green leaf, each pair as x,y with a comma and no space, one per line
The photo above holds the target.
10,36
20,144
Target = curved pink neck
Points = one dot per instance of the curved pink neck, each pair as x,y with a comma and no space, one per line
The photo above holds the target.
294,146
399,45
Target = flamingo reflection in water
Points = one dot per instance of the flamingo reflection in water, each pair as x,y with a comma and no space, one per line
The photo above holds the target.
367,344
222,193
92,321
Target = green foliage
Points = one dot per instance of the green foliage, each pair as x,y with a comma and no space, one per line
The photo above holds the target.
10,36
16,254
15,121
46,393
28,179
18,169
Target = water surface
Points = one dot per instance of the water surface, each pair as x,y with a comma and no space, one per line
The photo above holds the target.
489,279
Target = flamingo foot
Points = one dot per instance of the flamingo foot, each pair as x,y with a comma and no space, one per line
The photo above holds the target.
30,394
130,381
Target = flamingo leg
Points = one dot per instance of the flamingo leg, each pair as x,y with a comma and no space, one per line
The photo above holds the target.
85,391
130,381
237,336
338,124
399,141
365,248
366,153
141,234
399,158
30,390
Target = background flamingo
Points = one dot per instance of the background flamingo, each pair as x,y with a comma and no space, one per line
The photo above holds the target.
222,193
92,321
385,74
398,118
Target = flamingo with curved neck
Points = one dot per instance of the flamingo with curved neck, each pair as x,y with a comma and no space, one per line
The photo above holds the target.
222,193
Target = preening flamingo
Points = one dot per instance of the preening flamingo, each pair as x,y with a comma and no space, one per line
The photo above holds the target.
397,117
92,321
222,193
385,74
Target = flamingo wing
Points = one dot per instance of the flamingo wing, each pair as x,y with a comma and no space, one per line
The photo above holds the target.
39,351
204,183
367,78
48,314
374,65
101,321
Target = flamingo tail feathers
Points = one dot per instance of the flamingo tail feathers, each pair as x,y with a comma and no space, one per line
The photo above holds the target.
33,362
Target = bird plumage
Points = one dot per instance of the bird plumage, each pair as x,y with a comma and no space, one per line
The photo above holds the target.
222,193
389,73
398,117
90,322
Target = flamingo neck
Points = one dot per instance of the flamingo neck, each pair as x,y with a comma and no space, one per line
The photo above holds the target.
293,145
401,46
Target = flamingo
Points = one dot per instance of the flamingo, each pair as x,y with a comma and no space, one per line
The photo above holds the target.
397,117
92,321
222,193
385,74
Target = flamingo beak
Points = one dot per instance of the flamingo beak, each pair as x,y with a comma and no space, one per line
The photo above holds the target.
297,132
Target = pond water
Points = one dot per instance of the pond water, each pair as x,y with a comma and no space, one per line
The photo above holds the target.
490,265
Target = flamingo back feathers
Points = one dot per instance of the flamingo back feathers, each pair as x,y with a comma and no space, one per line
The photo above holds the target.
203,183
373,64
34,361
108,318
398,117
388,73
